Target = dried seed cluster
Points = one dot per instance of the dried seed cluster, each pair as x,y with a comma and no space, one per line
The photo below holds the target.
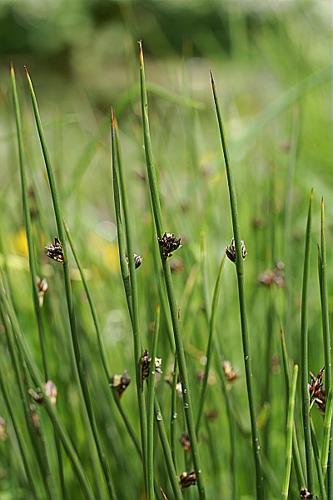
231,250
54,251
304,493
187,479
317,391
145,366
168,243
120,382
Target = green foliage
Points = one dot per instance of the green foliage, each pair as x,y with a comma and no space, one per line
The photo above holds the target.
228,338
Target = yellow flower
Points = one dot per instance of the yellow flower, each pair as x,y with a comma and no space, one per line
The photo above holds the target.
20,243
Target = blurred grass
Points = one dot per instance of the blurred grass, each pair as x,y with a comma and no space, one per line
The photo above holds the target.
272,64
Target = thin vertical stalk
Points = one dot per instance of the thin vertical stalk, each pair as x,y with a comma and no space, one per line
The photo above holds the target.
325,449
150,410
7,308
315,445
157,214
133,299
31,254
27,221
304,353
242,307
25,460
75,351
326,336
296,454
167,451
210,344
100,343
290,430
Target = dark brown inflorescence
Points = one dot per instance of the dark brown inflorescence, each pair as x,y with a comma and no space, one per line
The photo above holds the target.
304,493
54,251
317,391
120,382
231,250
168,243
144,366
187,479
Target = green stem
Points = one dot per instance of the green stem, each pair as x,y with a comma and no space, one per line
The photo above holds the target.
290,430
210,344
157,214
150,410
315,445
304,354
132,301
75,351
242,308
37,380
167,452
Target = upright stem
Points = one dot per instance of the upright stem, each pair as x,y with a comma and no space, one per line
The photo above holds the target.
304,354
120,196
157,214
242,307
76,353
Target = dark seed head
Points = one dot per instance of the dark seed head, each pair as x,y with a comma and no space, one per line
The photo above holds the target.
144,366
137,260
187,479
231,250
168,244
54,251
304,493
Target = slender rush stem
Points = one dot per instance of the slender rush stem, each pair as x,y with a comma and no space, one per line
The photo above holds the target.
120,194
296,453
167,452
27,221
19,438
32,263
210,344
7,308
321,480
304,354
242,308
150,410
157,214
327,433
326,340
75,351
290,431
